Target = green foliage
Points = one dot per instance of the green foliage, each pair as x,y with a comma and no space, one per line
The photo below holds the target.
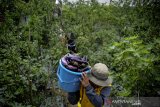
104,33
123,37
132,60
26,34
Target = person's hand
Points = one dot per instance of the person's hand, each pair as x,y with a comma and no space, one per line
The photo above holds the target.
84,80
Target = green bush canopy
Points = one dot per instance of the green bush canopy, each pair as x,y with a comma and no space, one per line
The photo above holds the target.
125,35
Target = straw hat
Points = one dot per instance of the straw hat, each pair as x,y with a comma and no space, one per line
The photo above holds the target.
100,75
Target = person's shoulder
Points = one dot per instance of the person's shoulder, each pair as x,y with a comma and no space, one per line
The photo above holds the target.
106,88
106,91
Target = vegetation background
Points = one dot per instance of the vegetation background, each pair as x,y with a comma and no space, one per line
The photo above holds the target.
125,35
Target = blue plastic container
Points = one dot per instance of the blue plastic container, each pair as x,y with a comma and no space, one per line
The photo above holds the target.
68,80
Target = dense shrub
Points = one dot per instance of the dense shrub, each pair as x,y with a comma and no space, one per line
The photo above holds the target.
124,37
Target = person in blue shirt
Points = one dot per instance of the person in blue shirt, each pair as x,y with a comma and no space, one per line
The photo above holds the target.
95,88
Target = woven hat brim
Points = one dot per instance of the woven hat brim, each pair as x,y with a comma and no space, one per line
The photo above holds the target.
100,82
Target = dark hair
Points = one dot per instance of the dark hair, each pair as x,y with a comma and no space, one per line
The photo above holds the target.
71,43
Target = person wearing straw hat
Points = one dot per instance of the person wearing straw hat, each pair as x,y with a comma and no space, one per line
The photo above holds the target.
95,88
